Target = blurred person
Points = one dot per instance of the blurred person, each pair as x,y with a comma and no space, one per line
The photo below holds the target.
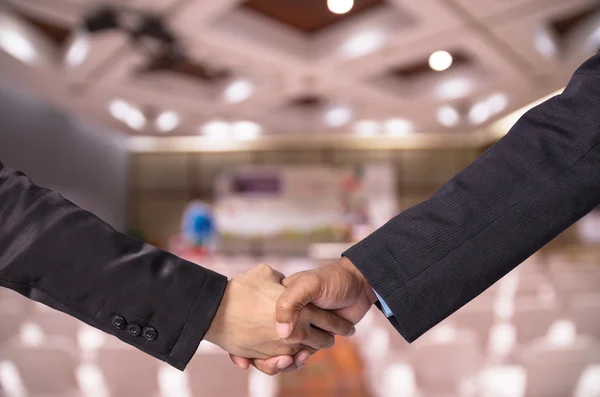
58,254
432,259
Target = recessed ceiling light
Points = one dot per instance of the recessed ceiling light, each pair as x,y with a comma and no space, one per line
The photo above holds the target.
338,116
448,116
135,118
167,121
497,103
545,42
239,91
118,109
362,44
440,60
398,127
78,51
454,89
592,43
366,128
17,45
340,6
216,129
246,130
480,113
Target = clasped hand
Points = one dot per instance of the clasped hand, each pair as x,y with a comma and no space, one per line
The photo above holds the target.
245,323
276,323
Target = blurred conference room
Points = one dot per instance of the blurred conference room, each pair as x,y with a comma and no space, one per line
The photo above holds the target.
240,132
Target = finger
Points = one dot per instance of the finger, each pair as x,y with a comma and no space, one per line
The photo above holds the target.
241,362
328,321
273,365
302,288
300,360
315,338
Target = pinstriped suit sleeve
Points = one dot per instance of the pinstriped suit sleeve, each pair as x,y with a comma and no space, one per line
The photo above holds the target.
56,253
538,180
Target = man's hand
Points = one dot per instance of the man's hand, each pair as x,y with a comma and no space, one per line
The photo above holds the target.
339,287
245,321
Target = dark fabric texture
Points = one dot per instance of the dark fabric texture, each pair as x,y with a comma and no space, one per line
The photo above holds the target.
538,180
65,257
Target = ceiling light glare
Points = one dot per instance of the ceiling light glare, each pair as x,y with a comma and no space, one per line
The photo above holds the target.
440,61
135,119
119,109
216,129
398,127
167,121
592,43
78,51
448,116
362,44
338,116
239,91
454,89
545,43
366,128
246,130
480,113
17,45
340,6
497,103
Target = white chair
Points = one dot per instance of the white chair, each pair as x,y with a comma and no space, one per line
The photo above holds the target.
54,323
214,375
11,319
446,360
47,370
532,319
128,372
477,316
584,311
555,370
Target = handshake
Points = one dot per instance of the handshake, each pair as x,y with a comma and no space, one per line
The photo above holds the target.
276,323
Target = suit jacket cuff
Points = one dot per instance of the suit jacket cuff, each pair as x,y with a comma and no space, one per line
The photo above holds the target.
199,320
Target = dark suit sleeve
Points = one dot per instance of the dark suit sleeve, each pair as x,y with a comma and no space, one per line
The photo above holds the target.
56,253
538,180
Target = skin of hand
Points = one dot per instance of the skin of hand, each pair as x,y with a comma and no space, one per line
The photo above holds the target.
339,287
244,324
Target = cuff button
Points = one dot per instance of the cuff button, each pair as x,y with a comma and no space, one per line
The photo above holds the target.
134,329
150,333
118,322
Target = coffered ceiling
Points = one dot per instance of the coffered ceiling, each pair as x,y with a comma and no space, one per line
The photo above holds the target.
292,67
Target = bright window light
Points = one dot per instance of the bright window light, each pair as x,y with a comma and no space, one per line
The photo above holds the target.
167,121
239,91
216,129
340,6
338,116
440,60
362,44
366,128
17,45
448,116
246,130
78,51
454,89
398,127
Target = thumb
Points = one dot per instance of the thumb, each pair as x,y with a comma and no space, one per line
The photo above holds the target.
302,288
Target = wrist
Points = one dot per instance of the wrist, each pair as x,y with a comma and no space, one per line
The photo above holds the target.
215,331
365,285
